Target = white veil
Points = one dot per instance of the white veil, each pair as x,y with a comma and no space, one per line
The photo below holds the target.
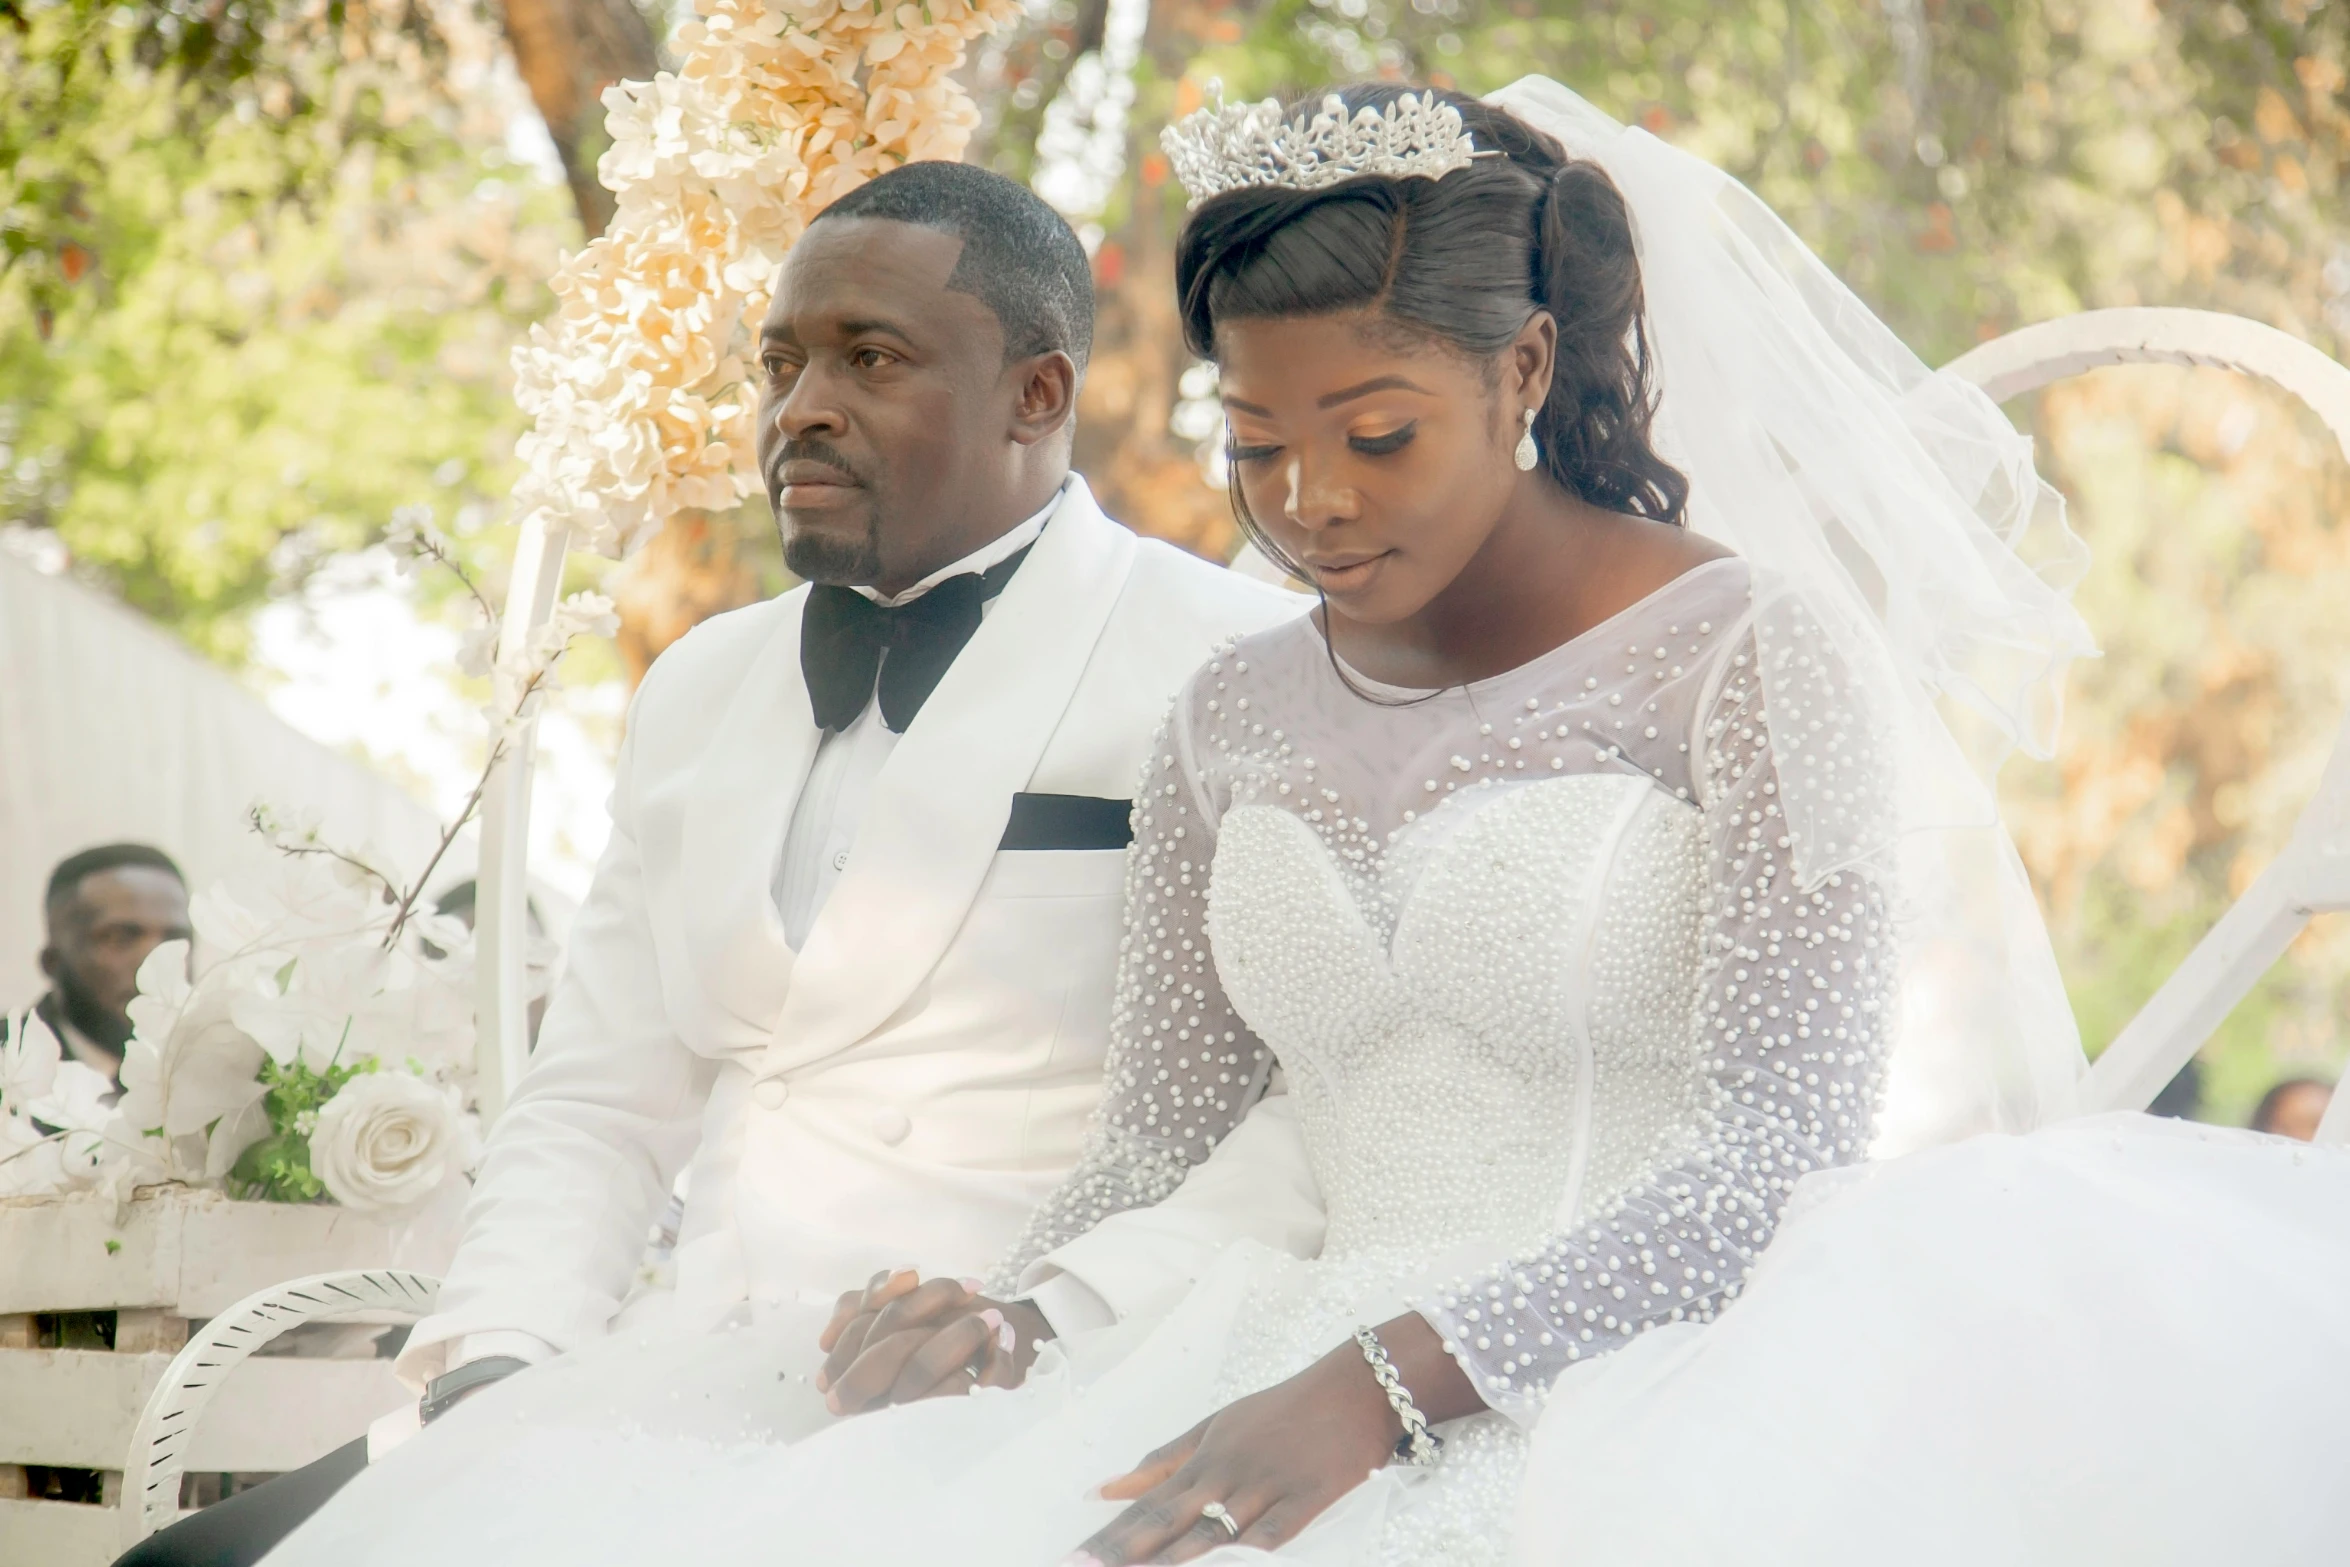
1906,558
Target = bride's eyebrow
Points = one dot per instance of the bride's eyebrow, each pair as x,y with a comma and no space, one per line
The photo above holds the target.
1383,383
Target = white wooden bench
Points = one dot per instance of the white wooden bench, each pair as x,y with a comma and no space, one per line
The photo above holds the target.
172,1273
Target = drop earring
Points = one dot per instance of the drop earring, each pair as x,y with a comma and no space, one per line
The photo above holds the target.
1527,454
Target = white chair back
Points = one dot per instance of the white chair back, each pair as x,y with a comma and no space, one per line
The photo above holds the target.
2311,876
159,1443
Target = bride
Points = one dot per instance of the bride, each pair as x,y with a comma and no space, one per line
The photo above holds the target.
1610,853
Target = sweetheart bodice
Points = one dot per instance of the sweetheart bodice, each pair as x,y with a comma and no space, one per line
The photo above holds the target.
1560,1024
1520,1047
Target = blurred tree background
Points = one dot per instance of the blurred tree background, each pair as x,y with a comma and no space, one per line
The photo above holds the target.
262,274
262,267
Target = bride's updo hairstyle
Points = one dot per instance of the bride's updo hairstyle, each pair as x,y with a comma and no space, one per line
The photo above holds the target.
1463,261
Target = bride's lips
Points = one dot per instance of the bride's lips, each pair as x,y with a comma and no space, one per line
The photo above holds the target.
1346,574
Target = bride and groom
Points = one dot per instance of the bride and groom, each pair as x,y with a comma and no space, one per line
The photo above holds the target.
1512,965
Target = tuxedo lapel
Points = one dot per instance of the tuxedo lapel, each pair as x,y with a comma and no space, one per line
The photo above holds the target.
738,805
941,801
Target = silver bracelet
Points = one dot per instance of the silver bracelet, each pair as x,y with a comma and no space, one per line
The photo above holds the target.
1418,1445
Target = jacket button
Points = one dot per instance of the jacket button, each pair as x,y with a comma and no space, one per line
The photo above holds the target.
891,1125
771,1093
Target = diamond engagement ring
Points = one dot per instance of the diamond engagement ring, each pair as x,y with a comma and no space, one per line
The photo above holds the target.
1217,1511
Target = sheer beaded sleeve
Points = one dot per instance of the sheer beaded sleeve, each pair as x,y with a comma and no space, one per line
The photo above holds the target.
1183,1068
1793,1011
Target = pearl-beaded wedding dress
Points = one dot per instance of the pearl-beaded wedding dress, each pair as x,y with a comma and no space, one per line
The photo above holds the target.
1561,1034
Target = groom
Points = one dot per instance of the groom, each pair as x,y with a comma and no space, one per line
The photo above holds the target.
848,957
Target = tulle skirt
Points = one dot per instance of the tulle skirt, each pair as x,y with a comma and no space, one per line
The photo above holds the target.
2118,1340
642,1449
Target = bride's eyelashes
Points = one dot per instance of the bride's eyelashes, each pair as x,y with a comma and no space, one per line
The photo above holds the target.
1386,445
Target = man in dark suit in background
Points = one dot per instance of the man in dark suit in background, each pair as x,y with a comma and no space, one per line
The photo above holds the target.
107,908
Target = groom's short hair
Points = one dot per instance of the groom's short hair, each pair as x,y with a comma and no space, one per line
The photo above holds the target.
65,881
1020,258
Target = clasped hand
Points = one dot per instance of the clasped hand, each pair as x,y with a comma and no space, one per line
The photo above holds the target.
900,1339
1269,1463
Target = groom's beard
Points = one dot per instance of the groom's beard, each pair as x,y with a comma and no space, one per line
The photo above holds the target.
814,557
83,1010
821,557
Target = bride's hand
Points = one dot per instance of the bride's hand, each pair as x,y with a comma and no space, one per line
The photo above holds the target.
1274,1460
900,1339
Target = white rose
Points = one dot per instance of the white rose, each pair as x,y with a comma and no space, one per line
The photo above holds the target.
387,1141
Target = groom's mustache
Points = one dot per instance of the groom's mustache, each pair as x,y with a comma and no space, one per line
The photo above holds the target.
810,462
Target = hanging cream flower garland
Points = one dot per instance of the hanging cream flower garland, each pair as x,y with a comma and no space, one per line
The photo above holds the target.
637,388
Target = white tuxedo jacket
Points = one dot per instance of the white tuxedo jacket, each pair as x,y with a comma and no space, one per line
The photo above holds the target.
906,1087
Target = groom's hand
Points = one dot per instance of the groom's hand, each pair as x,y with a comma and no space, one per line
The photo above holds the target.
900,1339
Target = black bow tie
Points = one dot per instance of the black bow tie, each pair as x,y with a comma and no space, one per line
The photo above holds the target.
843,635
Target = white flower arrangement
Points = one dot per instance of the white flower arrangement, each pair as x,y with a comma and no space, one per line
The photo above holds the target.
40,1089
323,1048
388,1143
638,388
317,980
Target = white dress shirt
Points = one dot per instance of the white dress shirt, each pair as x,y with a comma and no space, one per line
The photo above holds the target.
823,834
831,805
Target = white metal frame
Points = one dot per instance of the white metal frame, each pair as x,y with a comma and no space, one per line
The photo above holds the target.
159,1443
501,929
2311,875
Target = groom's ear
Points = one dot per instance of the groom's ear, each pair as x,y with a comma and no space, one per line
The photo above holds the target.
1044,395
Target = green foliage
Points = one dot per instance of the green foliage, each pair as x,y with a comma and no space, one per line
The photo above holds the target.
1967,165
232,344
277,1168
294,74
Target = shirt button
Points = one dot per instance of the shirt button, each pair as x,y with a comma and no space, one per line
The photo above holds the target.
771,1093
840,861
891,1125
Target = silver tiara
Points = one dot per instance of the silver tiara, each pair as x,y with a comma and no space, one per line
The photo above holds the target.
1241,145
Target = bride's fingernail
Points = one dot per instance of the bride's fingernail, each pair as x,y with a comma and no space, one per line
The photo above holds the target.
971,1286
993,1318
1006,1337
